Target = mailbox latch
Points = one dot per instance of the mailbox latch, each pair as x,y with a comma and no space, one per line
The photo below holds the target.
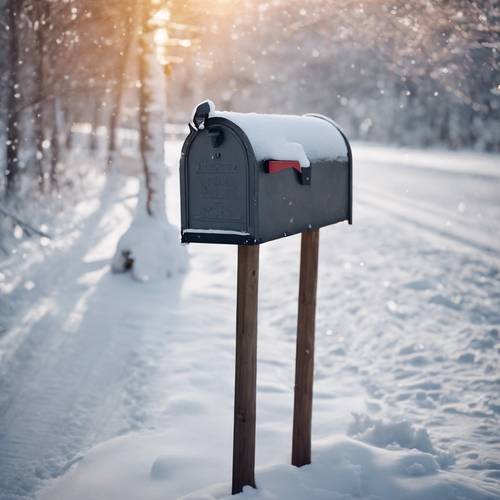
216,136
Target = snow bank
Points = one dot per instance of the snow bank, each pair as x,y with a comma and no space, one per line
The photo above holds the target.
150,249
395,435
139,466
345,469
151,467
287,137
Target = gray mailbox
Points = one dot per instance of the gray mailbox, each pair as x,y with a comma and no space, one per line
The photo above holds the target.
249,178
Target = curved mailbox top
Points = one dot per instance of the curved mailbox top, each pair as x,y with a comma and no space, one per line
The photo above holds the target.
248,178
305,139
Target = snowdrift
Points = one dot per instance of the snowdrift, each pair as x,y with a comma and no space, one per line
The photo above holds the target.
402,465
345,469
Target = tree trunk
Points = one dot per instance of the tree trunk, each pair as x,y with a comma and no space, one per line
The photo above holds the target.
12,152
152,103
39,106
68,132
39,138
115,111
94,139
54,146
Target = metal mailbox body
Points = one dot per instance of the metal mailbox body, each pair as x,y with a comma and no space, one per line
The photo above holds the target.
231,195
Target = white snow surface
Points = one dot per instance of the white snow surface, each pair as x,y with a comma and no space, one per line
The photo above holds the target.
347,469
114,389
288,137
152,245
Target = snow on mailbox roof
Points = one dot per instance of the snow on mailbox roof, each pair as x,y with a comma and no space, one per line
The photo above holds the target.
289,137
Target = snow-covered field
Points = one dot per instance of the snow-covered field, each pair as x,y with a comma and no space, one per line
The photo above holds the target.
124,390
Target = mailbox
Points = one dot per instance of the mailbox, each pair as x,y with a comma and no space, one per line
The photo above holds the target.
248,178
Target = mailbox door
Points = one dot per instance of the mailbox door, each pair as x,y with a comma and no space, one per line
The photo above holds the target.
217,178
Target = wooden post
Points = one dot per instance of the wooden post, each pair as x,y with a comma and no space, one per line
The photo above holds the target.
304,361
246,368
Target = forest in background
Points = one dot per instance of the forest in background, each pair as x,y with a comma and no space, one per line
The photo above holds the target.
422,73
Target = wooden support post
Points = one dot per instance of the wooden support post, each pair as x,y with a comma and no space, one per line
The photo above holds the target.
246,368
304,361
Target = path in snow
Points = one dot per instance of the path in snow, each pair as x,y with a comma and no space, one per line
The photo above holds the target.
408,326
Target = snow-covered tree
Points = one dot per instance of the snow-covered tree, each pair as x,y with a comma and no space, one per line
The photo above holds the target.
150,248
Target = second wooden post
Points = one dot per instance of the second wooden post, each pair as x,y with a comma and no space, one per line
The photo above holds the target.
246,368
304,361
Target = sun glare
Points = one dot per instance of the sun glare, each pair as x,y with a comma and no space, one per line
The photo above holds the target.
161,17
161,37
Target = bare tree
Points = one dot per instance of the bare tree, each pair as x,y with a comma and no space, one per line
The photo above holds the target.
13,134
120,82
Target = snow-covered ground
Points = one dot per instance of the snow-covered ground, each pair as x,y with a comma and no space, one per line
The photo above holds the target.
124,390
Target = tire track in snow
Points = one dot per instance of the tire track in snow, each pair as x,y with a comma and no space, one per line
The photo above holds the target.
72,370
408,216
434,211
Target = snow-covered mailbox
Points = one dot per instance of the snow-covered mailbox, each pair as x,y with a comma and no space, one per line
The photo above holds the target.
247,179
250,178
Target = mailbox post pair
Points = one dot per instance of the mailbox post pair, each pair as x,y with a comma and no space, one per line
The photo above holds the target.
247,179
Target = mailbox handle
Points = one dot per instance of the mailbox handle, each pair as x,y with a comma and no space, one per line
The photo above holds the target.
274,166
